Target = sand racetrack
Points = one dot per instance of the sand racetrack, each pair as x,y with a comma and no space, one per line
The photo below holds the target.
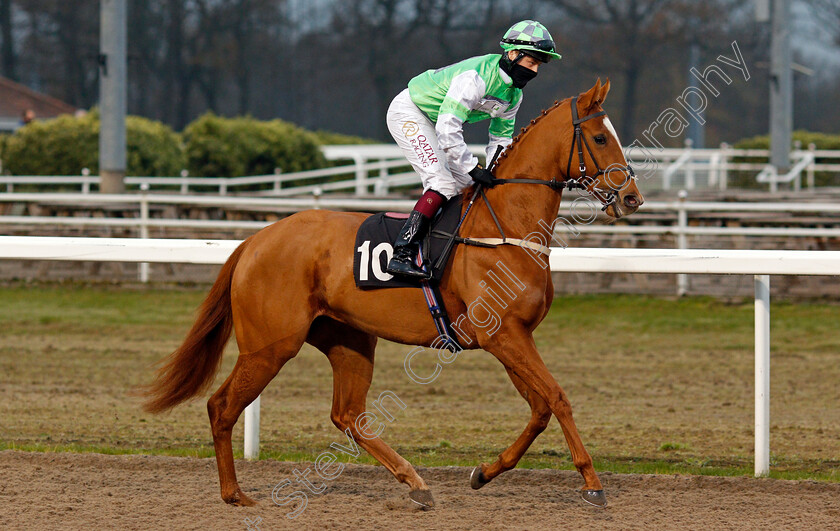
80,491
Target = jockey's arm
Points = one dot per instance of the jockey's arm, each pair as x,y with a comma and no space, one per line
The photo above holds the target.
501,130
463,95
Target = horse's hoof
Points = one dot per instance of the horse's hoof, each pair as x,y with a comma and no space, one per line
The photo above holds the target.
239,499
594,497
423,498
477,479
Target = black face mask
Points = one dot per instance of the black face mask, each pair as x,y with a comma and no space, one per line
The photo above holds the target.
518,73
521,75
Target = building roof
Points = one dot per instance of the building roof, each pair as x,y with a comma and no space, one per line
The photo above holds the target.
16,98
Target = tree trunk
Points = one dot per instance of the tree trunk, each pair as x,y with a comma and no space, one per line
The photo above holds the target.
242,77
174,93
68,41
628,117
8,50
141,67
182,116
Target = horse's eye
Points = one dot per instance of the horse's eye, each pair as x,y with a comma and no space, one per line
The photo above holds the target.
600,140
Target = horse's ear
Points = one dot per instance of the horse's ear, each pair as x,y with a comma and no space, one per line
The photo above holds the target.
590,98
605,88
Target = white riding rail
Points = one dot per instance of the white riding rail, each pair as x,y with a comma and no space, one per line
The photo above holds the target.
659,168
567,210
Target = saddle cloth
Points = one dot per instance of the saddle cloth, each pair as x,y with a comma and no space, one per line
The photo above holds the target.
375,245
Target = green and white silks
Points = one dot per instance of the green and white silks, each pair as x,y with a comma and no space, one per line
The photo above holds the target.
472,90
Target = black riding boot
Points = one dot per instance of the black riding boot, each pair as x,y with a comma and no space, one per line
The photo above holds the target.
407,246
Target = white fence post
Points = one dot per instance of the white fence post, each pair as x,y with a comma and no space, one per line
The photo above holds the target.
723,171
143,268
361,175
252,430
762,375
689,164
278,172
682,240
810,171
9,186
714,165
184,185
381,187
85,181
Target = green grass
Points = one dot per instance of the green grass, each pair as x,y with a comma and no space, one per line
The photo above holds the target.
672,446
825,472
657,385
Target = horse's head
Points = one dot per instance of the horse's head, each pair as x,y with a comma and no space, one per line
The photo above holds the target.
596,158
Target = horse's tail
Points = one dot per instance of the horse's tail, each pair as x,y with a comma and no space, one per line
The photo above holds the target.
190,370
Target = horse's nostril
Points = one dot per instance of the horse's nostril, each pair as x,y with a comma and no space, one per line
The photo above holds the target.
631,201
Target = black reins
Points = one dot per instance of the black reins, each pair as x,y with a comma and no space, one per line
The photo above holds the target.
579,141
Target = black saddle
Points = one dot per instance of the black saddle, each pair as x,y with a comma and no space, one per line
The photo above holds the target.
375,244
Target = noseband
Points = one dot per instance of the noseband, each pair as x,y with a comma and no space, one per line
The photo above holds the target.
579,141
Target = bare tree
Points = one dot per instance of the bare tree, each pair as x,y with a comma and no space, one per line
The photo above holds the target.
390,41
622,35
239,26
336,64
828,11
60,48
76,30
372,29
143,56
9,59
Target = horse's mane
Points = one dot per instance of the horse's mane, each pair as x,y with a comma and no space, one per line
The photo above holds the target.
522,133
525,130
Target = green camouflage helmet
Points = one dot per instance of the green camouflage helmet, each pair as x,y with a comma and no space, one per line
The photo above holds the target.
530,36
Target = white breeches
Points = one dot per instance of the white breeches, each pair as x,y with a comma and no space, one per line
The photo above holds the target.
417,137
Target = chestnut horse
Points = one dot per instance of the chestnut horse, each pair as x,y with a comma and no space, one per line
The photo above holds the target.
292,282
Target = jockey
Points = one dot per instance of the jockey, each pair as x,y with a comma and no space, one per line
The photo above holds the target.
427,121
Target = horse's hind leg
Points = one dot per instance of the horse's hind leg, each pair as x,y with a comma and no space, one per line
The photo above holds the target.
249,377
540,417
351,354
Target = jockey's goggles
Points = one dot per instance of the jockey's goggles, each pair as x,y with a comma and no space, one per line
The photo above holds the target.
546,45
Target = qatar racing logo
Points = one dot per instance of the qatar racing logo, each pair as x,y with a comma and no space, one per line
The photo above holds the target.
424,151
410,129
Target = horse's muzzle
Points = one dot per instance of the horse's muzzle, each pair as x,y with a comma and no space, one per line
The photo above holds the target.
632,201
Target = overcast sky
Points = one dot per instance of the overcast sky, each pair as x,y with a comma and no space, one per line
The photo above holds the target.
813,41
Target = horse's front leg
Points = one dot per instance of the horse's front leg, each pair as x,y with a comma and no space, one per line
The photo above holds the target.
514,346
540,416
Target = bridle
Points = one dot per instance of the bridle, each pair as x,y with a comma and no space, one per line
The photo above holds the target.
579,141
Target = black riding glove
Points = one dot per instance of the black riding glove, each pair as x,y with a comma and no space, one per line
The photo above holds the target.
482,176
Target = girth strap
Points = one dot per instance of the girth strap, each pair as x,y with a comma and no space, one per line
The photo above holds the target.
434,300
493,242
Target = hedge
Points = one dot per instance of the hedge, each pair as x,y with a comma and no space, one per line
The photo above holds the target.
234,147
3,139
65,145
211,146
820,140
153,149
327,138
